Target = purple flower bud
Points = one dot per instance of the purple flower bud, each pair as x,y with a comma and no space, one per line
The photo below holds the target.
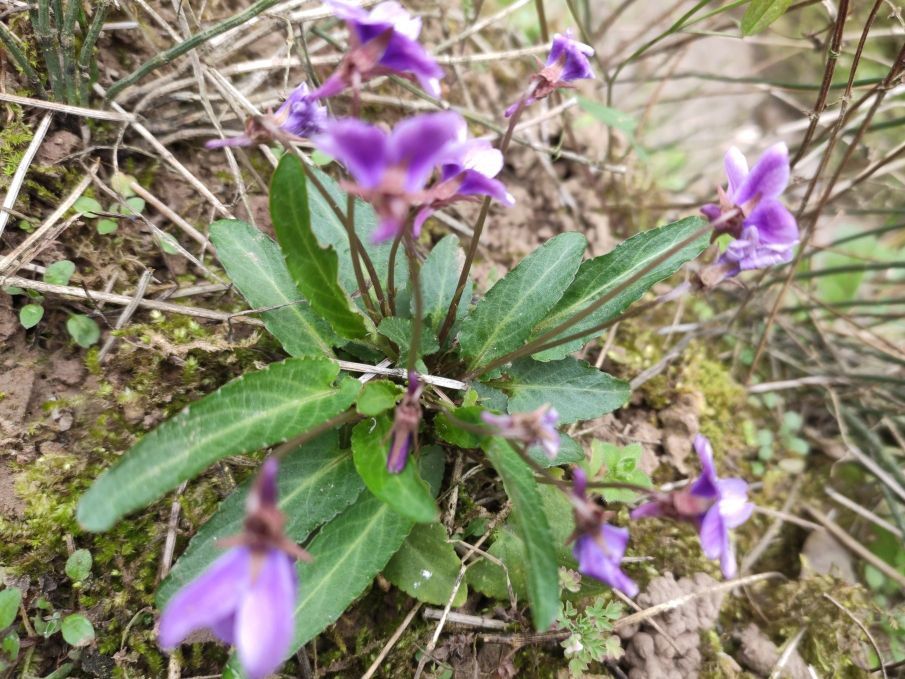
299,116
382,41
403,435
599,547
712,504
567,62
535,428
765,232
246,598
391,169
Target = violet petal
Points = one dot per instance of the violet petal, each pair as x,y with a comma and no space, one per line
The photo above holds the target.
733,503
264,621
419,143
736,166
712,532
768,178
211,597
362,148
775,224
706,484
476,184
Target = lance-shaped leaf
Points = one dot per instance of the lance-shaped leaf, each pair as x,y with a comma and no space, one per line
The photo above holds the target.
761,13
348,552
316,482
256,267
439,276
331,232
405,492
509,548
531,524
252,411
314,269
597,277
503,319
577,390
426,567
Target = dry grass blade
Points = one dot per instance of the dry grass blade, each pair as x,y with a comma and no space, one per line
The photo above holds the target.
126,300
853,545
47,232
15,185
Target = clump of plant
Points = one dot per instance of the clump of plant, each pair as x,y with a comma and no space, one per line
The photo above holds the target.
355,466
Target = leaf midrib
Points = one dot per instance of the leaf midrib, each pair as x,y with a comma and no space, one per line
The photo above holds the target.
475,362
294,309
339,562
553,319
218,434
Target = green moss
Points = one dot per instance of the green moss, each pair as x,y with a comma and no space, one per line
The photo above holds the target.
723,398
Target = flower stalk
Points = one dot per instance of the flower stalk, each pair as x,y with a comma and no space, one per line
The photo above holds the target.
477,231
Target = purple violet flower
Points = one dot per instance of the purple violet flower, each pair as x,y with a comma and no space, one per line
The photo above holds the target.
713,504
535,428
246,598
765,232
391,169
404,434
599,547
567,62
466,173
382,41
299,116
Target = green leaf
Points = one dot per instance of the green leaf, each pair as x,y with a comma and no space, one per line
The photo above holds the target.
133,207
611,117
405,492
30,315
490,579
317,481
11,646
252,411
106,226
10,599
348,552
399,332
596,277
59,273
87,207
762,13
78,565
256,267
77,630
503,319
330,232
449,430
531,523
313,268
426,567
439,276
122,184
378,396
167,243
620,464
569,451
83,330
577,390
